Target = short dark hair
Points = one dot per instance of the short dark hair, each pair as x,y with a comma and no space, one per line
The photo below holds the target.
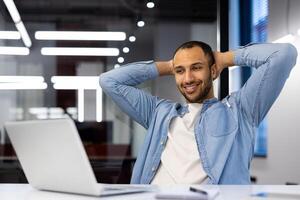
205,47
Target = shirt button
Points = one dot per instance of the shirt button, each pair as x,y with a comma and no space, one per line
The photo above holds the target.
161,142
153,169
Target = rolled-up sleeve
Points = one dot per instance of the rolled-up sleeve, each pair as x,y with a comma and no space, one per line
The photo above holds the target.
273,63
120,84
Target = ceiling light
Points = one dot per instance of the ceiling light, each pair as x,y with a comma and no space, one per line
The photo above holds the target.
18,79
120,60
141,23
80,35
10,35
14,51
13,11
125,50
75,82
99,105
80,83
132,38
150,4
79,51
25,37
23,86
22,83
80,105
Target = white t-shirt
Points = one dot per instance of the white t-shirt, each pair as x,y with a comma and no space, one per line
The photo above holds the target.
180,160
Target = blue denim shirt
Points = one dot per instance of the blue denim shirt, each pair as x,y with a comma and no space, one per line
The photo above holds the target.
225,129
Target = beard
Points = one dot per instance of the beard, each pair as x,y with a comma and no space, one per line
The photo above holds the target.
201,93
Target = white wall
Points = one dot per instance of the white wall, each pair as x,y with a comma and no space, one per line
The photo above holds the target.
283,161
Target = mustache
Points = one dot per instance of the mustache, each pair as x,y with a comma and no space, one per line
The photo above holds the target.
191,83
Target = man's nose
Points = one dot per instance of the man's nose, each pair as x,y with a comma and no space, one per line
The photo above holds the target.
189,77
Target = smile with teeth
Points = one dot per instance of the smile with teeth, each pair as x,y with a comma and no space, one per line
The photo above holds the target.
190,88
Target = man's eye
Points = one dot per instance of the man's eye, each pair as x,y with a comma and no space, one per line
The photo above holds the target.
179,71
197,67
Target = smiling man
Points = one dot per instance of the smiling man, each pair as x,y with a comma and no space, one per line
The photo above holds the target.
205,140
194,69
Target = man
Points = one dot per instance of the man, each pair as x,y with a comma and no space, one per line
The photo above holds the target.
205,141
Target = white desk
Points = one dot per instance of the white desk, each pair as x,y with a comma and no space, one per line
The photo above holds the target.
234,192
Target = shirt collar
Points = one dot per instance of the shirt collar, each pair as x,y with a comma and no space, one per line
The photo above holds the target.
210,101
182,109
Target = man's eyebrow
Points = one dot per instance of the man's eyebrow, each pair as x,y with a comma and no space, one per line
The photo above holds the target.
193,64
178,66
198,63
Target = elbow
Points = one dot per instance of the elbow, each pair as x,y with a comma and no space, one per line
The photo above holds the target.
102,81
105,81
289,53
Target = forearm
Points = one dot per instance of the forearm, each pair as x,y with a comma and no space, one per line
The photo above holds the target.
274,63
131,74
164,67
224,59
258,54
228,59
120,84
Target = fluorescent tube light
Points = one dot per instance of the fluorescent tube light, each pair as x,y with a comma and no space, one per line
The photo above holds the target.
75,82
80,35
68,86
79,51
81,83
10,35
80,106
23,86
22,83
25,37
285,39
14,51
13,11
18,79
99,105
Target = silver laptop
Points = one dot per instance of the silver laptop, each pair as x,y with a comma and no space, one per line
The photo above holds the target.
53,158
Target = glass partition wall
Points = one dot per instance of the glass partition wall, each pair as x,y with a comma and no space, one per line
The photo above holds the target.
52,53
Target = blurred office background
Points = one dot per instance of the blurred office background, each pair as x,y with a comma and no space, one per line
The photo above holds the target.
37,83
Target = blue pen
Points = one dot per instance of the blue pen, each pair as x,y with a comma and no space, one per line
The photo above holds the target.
278,195
260,194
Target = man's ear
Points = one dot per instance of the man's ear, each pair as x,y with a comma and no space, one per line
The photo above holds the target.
214,71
